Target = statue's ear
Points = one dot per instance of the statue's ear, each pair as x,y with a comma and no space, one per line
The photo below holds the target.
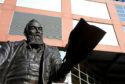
26,30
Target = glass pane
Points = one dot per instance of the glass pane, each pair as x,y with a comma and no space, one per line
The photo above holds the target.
51,5
124,28
83,82
89,8
82,66
120,11
76,66
122,19
75,80
109,38
91,80
122,15
118,7
74,71
62,53
1,1
83,76
124,8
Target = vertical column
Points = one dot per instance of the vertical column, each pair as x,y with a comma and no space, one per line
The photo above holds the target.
79,74
66,20
117,25
7,10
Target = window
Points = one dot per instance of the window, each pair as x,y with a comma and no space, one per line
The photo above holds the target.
1,1
62,53
121,12
51,5
109,38
124,28
90,9
49,23
82,75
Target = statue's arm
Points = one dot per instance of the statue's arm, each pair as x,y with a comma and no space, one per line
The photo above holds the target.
4,52
55,66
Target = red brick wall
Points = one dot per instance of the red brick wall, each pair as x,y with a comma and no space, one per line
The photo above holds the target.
9,6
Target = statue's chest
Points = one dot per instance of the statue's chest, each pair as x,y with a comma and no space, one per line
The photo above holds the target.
25,65
29,59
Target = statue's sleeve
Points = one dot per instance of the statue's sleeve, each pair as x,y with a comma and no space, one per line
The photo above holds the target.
4,52
56,64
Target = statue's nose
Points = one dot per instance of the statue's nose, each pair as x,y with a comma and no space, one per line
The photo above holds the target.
37,31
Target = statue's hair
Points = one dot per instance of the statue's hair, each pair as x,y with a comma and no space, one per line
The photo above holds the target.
27,25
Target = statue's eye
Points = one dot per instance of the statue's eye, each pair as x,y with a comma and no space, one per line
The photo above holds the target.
32,27
40,28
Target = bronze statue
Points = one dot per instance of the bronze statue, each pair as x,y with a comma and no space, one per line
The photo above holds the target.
31,61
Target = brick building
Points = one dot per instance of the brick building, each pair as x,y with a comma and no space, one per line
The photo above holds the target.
106,64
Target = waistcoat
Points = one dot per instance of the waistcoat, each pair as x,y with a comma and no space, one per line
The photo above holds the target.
25,67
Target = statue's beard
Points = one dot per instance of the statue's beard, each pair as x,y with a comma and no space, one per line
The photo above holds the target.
35,39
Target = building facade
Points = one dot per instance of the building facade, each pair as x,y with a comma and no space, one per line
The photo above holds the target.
105,65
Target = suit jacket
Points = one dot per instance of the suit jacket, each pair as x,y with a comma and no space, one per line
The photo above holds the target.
50,61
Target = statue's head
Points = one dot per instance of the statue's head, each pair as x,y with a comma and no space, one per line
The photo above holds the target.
34,32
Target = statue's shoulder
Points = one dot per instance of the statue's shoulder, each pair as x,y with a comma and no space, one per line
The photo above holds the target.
51,48
15,43
19,42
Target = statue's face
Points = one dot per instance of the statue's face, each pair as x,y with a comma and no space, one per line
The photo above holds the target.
35,33
35,29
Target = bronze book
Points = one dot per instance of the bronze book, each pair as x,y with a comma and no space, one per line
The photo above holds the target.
82,40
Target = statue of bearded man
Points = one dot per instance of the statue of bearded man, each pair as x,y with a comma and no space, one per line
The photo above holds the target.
29,61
